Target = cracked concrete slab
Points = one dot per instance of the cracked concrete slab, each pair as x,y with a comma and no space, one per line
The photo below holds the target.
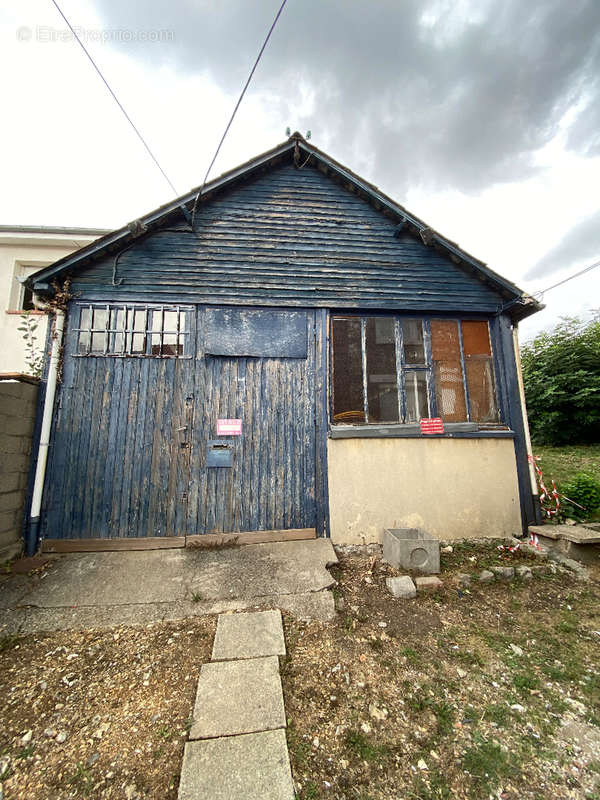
254,765
248,636
235,697
83,590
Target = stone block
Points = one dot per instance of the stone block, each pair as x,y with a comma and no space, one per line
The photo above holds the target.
235,697
251,767
11,482
9,520
524,573
248,636
411,548
401,587
16,462
485,576
10,445
463,579
11,501
428,583
504,573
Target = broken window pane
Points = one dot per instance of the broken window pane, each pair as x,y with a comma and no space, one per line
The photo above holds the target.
382,387
447,371
412,341
347,370
415,387
85,323
480,372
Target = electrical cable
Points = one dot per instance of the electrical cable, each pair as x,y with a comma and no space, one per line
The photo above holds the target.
237,105
566,280
115,98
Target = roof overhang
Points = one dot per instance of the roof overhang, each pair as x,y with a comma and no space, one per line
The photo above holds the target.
517,303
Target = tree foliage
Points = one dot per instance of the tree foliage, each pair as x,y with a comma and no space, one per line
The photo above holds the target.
561,372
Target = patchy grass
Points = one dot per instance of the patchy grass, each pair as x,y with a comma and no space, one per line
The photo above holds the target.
562,463
443,707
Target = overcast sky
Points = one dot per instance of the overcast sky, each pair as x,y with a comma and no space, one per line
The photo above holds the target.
482,117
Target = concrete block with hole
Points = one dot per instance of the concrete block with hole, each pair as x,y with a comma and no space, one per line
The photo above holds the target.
411,548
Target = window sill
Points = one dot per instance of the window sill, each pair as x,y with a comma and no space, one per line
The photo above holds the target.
32,313
456,430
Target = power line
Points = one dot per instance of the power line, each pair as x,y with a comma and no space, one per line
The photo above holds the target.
237,105
566,280
115,98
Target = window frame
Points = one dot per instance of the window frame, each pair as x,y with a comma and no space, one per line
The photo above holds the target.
128,332
402,367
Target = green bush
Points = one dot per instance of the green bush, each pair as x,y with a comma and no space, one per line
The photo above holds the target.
561,372
583,489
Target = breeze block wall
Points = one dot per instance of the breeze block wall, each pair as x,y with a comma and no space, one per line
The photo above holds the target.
18,404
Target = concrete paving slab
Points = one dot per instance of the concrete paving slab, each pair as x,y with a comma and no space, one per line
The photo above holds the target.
159,576
251,635
253,766
308,606
235,697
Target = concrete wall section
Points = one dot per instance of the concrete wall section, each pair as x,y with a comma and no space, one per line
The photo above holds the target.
453,488
17,415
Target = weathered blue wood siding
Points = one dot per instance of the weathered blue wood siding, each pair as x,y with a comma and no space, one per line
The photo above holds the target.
292,237
131,438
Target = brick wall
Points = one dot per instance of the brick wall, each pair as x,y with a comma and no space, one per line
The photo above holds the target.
18,401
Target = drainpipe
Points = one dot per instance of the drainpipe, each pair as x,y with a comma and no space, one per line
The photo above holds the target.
532,477
42,456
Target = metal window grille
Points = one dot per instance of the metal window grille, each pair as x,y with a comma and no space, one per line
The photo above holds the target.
141,331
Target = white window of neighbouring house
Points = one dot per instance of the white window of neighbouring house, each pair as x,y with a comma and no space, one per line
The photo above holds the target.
132,330
388,369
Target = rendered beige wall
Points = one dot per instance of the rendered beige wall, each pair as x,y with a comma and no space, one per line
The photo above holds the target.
23,254
453,488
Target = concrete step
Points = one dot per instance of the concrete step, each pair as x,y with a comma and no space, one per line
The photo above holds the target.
578,542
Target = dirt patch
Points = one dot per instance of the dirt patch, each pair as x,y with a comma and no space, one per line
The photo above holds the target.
455,695
101,714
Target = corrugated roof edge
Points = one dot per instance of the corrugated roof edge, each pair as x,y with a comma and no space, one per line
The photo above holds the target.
521,304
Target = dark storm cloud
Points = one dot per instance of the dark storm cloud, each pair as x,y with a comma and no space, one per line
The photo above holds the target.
441,94
581,243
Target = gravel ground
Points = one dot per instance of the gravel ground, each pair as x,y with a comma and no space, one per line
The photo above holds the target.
493,691
99,714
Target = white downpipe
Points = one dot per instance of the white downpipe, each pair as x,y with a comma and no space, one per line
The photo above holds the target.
40,471
532,477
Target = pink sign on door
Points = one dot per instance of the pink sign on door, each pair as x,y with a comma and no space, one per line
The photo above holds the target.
229,427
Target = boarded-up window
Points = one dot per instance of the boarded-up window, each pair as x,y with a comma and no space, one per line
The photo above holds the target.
347,370
382,383
479,371
447,371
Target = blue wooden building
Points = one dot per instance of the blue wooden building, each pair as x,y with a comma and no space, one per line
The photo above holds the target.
265,355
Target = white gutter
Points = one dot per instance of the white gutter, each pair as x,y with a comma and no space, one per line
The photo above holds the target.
42,457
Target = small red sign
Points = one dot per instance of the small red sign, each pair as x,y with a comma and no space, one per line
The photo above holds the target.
432,425
229,427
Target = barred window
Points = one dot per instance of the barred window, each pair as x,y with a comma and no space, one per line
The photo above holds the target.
133,330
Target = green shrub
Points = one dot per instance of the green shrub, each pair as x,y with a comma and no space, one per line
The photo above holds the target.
584,490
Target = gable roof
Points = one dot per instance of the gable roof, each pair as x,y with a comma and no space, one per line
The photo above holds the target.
301,152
